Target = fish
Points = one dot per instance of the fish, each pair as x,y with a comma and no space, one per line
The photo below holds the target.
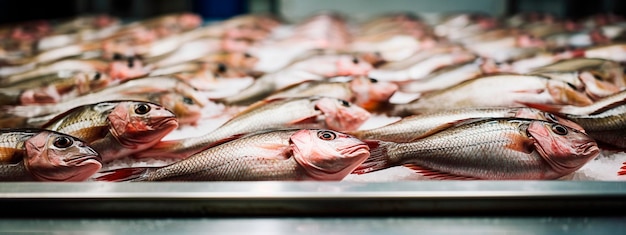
414,127
598,77
43,155
598,106
494,90
489,149
53,89
131,89
315,68
286,155
422,68
368,93
116,129
117,70
310,112
446,77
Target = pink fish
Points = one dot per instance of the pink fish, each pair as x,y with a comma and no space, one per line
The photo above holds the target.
116,129
291,154
44,155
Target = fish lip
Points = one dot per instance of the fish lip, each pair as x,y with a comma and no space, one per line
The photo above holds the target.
82,158
589,148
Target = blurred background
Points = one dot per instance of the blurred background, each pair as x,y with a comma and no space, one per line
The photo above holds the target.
293,10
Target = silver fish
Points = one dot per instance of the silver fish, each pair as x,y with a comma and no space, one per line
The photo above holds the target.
493,149
309,112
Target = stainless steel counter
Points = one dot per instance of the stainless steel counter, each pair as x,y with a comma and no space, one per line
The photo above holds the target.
218,199
316,226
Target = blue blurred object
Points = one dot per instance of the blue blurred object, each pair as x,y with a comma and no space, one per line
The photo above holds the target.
219,9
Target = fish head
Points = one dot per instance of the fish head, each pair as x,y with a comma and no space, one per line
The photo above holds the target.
137,124
532,113
53,156
326,154
186,109
92,81
241,60
564,93
341,115
597,86
565,149
127,69
352,65
371,93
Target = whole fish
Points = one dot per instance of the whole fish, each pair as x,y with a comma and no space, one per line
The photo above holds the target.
598,77
447,77
43,155
495,90
297,112
186,109
116,129
288,155
127,90
367,93
53,89
598,106
491,149
411,128
421,69
315,68
608,127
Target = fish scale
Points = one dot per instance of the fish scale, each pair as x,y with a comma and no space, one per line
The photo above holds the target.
218,163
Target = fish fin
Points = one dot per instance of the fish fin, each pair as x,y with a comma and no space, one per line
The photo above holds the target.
304,120
122,174
521,145
434,174
378,159
551,108
623,169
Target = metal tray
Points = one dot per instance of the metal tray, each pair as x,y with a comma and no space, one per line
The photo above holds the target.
424,198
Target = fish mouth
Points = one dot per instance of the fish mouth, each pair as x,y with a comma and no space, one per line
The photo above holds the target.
164,122
589,149
81,159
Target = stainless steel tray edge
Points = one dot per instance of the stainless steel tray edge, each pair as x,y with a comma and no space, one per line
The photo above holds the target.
313,198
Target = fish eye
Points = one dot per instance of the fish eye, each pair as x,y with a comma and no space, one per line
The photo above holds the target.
344,103
551,117
246,55
142,108
373,80
117,56
97,76
63,142
221,68
355,60
559,130
326,135
187,100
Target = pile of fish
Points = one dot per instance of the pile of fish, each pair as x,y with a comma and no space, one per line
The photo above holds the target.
255,98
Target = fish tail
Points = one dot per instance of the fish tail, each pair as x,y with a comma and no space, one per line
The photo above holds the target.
378,160
123,174
623,169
